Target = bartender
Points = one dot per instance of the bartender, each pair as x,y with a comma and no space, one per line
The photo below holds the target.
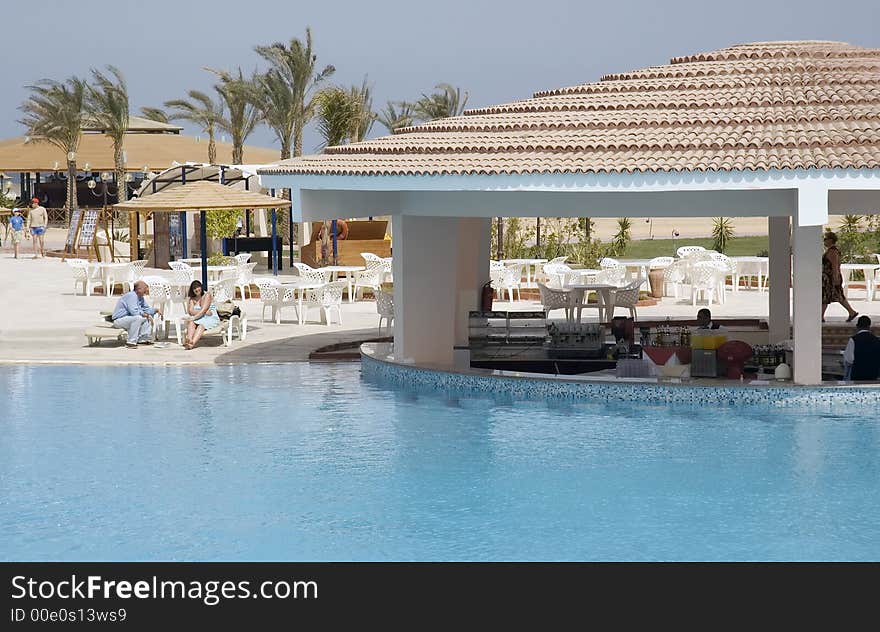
704,320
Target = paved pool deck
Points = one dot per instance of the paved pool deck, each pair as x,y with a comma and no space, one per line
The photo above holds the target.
42,321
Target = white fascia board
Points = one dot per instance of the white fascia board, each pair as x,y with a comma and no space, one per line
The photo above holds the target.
665,181
323,197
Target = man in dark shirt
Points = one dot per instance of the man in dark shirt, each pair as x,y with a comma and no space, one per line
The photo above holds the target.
863,352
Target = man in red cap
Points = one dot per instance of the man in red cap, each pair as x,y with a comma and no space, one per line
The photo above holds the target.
38,220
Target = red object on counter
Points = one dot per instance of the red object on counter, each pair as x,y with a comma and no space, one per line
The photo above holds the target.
661,355
735,353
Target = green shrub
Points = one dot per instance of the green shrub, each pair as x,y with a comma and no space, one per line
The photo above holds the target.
722,233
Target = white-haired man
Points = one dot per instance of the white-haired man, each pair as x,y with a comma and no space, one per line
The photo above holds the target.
134,315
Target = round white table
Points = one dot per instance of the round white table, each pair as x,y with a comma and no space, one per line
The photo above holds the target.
869,270
301,287
605,292
110,273
749,267
528,263
349,270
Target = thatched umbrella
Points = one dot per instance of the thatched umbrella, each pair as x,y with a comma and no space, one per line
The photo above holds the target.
202,196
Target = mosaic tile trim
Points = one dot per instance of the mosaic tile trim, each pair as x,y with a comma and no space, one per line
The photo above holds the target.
409,377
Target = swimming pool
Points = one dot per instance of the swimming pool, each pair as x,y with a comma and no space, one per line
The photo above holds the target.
310,462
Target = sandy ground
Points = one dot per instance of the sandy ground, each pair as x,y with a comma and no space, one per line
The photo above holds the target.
42,320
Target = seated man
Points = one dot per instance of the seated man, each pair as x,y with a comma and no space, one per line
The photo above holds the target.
862,353
704,320
134,315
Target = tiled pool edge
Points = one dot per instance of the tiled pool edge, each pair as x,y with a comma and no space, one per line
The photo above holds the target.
377,367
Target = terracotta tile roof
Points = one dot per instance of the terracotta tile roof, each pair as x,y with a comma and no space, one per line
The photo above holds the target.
767,105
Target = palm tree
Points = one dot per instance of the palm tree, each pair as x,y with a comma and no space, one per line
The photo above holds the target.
289,87
362,100
202,111
446,102
337,114
107,105
243,116
154,114
54,114
393,118
344,115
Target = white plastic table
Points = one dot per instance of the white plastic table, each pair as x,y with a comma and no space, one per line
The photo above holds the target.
642,266
334,274
301,286
605,291
110,273
528,263
760,265
869,269
581,275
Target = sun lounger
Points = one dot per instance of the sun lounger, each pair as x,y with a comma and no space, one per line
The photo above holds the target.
104,331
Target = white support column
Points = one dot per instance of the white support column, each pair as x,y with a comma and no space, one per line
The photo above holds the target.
472,263
812,213
425,279
780,276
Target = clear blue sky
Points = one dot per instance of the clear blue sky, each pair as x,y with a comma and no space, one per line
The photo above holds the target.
496,50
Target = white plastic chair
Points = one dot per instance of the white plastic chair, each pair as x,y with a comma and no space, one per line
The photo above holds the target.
244,278
82,275
556,274
242,258
615,275
327,299
675,275
510,281
312,274
183,272
726,268
704,280
385,308
627,297
555,298
134,272
661,262
275,296
686,251
371,279
608,262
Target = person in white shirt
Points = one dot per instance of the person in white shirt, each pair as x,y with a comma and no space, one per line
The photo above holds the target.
704,321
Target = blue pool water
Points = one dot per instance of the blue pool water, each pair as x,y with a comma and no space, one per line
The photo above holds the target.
309,462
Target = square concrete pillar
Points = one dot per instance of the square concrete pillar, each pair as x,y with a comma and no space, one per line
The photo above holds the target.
425,278
780,278
807,284
440,266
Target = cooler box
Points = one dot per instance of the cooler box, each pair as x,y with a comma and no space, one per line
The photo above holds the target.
704,363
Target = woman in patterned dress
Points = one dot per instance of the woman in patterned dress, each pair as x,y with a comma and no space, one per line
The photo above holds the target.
832,280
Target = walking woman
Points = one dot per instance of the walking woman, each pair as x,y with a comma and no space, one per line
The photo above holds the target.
832,279
203,312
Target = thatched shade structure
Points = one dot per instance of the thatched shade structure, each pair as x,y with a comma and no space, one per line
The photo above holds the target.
202,196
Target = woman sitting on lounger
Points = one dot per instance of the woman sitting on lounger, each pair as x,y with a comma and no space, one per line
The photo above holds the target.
203,314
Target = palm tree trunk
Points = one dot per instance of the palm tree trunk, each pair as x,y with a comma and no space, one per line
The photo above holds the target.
72,202
237,152
212,148
285,150
297,140
121,185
